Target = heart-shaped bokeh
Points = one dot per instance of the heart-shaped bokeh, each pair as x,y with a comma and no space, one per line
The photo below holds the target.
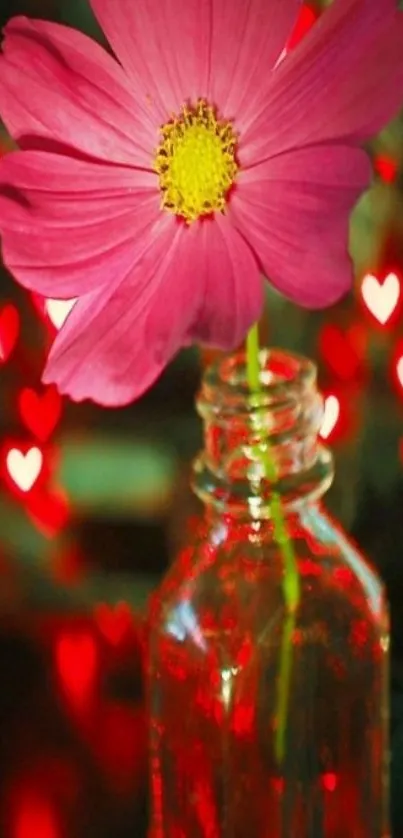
381,297
49,510
114,622
40,412
24,467
344,351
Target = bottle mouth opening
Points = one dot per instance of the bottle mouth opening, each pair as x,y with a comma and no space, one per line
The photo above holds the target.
283,418
283,375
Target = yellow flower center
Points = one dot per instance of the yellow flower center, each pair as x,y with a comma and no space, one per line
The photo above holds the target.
196,162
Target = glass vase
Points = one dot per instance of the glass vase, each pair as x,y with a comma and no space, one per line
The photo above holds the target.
266,721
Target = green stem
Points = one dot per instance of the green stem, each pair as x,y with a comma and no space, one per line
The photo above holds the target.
291,580
252,359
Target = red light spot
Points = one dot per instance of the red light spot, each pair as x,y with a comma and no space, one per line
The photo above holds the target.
9,330
206,809
278,784
49,510
77,666
359,634
243,719
245,652
307,567
329,781
35,818
306,20
386,168
283,368
343,576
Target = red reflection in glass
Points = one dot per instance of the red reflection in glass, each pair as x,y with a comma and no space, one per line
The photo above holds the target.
307,567
360,632
243,719
343,576
35,817
206,810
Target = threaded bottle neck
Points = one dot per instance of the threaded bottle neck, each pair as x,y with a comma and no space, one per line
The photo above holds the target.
283,420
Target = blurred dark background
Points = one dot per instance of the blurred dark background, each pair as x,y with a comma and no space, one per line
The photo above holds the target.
93,505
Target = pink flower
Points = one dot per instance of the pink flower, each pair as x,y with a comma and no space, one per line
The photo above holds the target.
157,187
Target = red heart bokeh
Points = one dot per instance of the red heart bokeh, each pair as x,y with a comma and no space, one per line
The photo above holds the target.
344,352
40,412
49,510
114,622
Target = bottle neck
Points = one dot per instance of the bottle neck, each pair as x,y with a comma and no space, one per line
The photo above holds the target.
257,444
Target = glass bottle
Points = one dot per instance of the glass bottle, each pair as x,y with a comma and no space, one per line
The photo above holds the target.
220,627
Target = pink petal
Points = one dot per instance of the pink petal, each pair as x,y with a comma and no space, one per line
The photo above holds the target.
180,50
164,48
225,267
342,83
198,282
69,226
114,345
59,88
248,37
294,211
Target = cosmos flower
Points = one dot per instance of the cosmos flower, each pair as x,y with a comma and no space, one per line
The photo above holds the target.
158,186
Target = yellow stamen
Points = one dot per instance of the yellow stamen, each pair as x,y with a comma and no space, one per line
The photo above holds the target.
196,162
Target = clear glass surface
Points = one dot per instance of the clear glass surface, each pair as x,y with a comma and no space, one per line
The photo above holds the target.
218,626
